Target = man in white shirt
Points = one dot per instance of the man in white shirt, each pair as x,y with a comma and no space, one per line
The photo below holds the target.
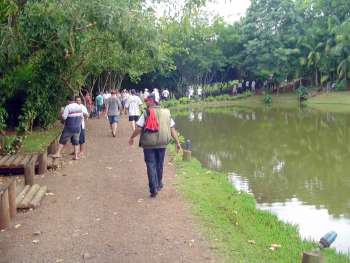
82,132
133,104
72,116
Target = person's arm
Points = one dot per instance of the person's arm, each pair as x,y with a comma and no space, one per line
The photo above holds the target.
136,133
107,106
174,135
65,113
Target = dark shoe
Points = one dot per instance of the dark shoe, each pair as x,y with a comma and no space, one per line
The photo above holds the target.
160,187
153,195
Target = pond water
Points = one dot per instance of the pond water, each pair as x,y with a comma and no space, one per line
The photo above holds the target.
295,162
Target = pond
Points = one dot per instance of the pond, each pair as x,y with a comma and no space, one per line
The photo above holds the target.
296,162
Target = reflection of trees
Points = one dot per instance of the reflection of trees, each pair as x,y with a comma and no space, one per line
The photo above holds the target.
283,153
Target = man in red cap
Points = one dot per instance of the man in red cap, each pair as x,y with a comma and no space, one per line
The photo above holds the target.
156,128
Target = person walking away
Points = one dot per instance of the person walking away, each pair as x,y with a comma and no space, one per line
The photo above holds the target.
99,104
155,127
199,92
82,131
145,94
133,104
156,94
88,102
253,86
113,108
72,116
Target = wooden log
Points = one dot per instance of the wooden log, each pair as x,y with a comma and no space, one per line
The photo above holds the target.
12,198
9,161
29,196
25,160
312,257
19,188
22,194
186,155
18,160
4,210
29,172
42,162
37,198
4,159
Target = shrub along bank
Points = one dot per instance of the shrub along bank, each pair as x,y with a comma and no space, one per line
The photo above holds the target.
236,228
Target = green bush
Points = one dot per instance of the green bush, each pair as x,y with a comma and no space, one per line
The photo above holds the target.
341,85
302,93
184,100
267,99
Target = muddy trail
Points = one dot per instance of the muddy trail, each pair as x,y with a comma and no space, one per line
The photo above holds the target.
100,211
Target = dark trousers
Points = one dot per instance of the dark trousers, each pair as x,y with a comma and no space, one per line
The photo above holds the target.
154,159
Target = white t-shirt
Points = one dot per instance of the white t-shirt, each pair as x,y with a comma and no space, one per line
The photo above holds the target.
165,93
85,113
156,94
141,121
72,110
133,104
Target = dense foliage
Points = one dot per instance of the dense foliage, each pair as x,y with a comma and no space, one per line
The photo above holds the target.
52,48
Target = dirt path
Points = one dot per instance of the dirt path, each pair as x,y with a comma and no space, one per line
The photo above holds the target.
101,212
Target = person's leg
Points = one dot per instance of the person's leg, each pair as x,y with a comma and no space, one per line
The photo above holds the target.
82,141
160,154
62,142
75,140
150,159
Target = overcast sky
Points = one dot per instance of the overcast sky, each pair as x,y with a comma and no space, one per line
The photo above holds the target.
230,10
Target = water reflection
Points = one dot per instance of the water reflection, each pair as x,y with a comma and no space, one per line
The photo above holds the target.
281,156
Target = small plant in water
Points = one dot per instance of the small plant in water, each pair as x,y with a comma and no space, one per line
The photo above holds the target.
267,98
302,93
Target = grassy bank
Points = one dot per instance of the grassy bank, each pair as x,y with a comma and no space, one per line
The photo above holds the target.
35,141
331,102
239,231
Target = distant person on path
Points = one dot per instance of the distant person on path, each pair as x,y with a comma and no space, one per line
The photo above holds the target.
82,131
72,116
88,102
113,108
253,86
156,128
145,94
199,92
133,104
156,94
99,104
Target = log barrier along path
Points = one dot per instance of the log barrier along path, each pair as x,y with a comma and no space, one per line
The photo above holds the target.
99,210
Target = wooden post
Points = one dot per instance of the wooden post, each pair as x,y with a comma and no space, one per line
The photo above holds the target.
53,146
312,257
42,162
29,172
12,198
186,155
4,210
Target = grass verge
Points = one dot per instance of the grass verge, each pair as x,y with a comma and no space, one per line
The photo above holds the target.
338,102
37,140
239,231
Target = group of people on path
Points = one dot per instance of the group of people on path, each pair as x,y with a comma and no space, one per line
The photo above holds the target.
155,127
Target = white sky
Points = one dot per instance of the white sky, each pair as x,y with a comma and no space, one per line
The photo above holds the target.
230,10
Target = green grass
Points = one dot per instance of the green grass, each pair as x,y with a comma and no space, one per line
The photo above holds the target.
230,219
338,102
37,140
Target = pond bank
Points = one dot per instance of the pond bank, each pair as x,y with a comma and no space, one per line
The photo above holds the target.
337,102
233,223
